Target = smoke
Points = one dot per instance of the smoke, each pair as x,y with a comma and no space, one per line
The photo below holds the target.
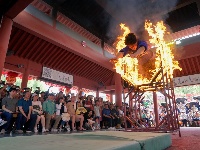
134,13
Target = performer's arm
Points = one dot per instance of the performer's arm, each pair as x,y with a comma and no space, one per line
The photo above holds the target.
139,52
119,55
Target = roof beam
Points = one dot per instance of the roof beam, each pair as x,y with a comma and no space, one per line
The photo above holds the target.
19,6
44,31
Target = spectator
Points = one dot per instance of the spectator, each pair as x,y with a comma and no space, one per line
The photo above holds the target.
97,114
2,94
107,115
61,110
9,106
42,97
88,103
49,108
80,111
71,110
115,117
37,109
25,115
89,122
183,118
2,122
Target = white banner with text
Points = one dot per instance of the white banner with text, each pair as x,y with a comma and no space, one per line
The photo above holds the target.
187,80
54,75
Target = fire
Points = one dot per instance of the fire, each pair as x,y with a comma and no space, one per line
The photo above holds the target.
128,68
164,55
121,39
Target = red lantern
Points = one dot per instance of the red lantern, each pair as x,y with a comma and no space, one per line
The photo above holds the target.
11,77
12,74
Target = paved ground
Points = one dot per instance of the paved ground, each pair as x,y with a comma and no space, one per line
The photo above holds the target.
98,140
189,140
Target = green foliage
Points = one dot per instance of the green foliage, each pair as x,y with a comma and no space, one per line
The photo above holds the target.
37,83
193,89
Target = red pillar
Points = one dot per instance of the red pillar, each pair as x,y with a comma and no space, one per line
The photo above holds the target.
25,76
155,102
111,96
130,101
97,93
118,90
5,31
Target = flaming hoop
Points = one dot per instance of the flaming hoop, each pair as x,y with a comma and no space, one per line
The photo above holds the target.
130,69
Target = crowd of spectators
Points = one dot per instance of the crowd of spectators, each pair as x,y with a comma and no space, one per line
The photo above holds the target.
25,111
189,113
22,110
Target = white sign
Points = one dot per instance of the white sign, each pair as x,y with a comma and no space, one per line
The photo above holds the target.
187,80
57,76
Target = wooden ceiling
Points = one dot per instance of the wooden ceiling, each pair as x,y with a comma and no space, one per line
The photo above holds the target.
28,46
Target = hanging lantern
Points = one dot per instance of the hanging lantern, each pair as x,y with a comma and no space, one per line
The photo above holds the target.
11,77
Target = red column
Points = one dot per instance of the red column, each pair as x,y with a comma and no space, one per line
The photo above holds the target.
155,102
97,93
118,90
130,101
5,31
111,96
25,76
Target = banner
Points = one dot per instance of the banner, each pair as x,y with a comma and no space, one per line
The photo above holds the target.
187,80
54,75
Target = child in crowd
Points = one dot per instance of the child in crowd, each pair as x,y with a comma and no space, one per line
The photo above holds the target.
65,121
89,122
97,114
61,110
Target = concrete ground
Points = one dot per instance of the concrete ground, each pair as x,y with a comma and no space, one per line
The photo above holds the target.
98,140
189,140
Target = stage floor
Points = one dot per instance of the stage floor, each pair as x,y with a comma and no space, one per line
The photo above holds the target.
98,140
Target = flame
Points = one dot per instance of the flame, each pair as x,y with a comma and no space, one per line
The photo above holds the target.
164,55
128,68
121,39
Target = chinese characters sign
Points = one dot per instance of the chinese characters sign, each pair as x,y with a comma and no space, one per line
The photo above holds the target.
57,76
187,80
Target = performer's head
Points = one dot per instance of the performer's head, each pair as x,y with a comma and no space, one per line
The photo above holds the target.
131,41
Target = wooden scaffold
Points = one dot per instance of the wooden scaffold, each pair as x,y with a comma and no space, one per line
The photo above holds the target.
164,85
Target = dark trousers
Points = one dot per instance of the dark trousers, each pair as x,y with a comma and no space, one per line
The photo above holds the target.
184,121
8,117
109,120
22,121
116,121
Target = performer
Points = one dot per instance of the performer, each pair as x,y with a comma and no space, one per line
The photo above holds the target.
136,49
